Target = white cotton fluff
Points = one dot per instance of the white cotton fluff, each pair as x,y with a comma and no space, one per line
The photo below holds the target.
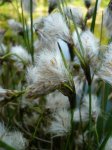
31,74
14,139
20,54
107,21
89,49
57,100
56,26
75,14
38,45
108,145
49,66
79,82
84,110
52,28
89,43
15,25
105,70
61,123
51,72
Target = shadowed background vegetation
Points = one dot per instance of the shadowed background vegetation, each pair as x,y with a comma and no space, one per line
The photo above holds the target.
8,11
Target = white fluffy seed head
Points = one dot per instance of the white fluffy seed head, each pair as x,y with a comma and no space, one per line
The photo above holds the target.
20,54
108,145
90,46
14,25
51,72
56,100
38,23
107,21
52,61
79,82
31,74
53,45
61,123
15,140
53,27
50,65
95,110
89,42
105,70
74,13
54,23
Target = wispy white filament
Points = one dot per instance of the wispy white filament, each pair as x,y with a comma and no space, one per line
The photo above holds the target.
14,139
61,123
84,110
105,70
15,25
90,46
75,14
20,54
108,145
49,28
56,100
107,20
51,72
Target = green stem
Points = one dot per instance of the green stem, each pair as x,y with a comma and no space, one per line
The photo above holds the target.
31,20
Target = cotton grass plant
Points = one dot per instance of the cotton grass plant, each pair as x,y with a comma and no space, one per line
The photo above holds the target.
55,79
